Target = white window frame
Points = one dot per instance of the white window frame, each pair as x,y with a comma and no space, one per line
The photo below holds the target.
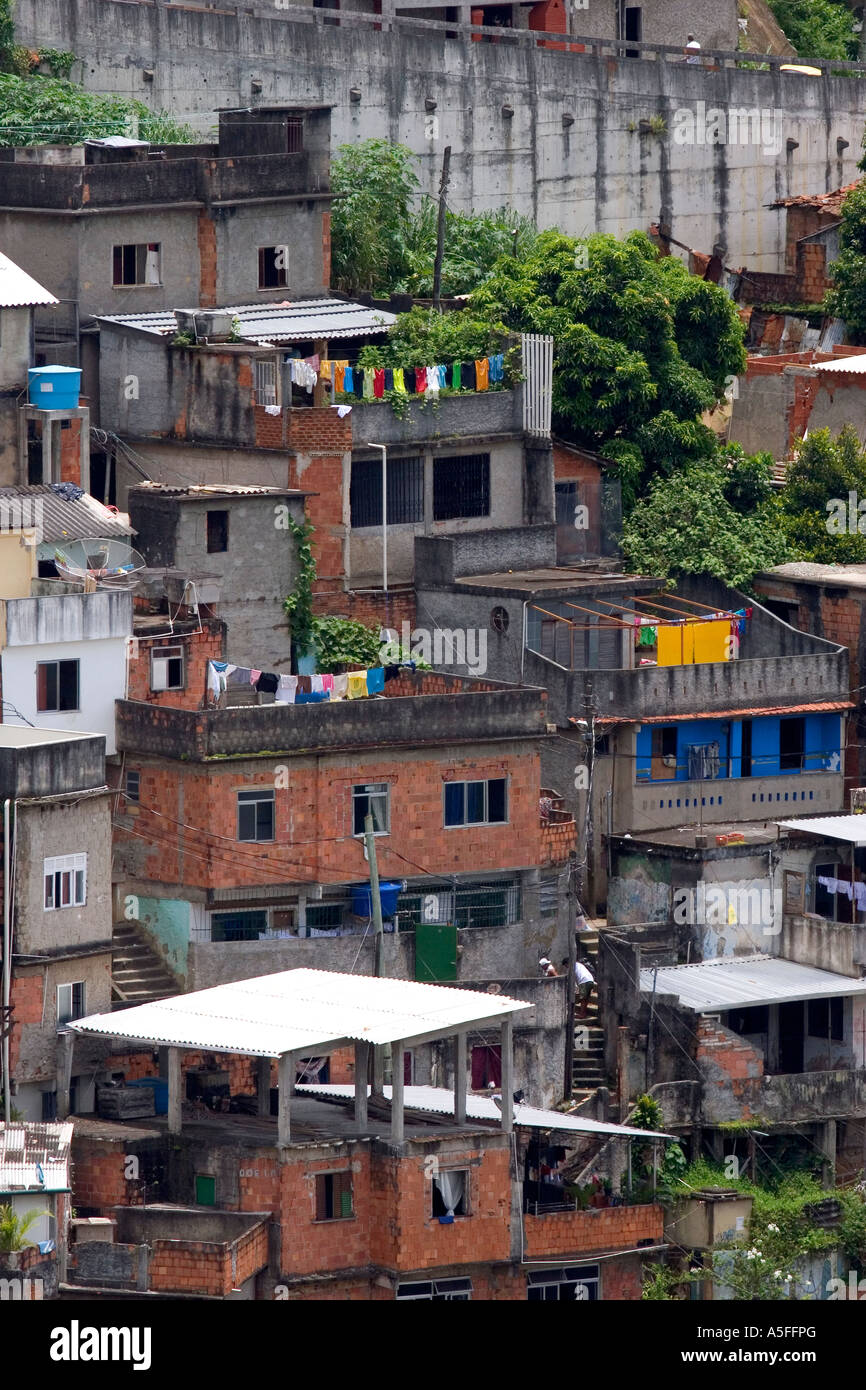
73,868
267,381
251,796
588,1277
68,1013
371,790
465,783
159,659
435,1290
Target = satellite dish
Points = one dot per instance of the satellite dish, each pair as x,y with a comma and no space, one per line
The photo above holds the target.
105,564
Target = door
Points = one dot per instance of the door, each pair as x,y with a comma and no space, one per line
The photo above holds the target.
570,540
435,951
791,1037
663,763
633,28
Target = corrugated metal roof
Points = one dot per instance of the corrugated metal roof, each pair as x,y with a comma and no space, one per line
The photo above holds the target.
299,322
842,364
35,1157
18,290
815,707
438,1101
62,520
851,829
733,982
300,1011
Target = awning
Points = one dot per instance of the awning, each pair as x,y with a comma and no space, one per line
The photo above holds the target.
304,1011
851,829
754,712
733,982
438,1101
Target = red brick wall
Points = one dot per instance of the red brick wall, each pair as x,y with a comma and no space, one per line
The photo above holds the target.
189,1266
576,1234
558,841
70,453
314,818
97,1175
207,252
621,1279
310,1246
199,649
26,1000
251,1254
403,1234
370,607
568,465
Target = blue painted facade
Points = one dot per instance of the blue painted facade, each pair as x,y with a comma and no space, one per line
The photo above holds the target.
822,746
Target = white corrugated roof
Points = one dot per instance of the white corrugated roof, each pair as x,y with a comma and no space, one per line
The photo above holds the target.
734,982
843,364
35,1157
438,1101
306,1011
291,322
851,829
18,290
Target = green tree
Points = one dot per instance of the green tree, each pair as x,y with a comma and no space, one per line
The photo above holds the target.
847,298
473,244
39,110
375,183
815,499
818,28
425,336
642,348
689,523
14,1228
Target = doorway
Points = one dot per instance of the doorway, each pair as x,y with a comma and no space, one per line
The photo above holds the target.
791,1037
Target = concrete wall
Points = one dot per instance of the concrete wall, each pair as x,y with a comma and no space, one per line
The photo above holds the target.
102,680
15,337
51,767
201,464
506,510
48,829
601,173
258,570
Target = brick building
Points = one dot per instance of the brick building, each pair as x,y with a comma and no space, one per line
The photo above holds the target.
420,1193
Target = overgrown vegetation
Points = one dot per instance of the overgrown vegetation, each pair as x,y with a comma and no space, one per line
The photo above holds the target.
847,298
818,28
816,512
14,1228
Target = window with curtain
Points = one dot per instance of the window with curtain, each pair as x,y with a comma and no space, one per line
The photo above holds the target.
451,1193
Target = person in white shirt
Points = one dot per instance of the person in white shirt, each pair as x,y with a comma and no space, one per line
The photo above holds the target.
693,48
584,981
547,967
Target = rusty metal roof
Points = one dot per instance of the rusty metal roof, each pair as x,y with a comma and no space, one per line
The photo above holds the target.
816,707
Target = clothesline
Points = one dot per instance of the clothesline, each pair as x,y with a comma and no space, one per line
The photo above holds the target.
302,690
847,889
371,383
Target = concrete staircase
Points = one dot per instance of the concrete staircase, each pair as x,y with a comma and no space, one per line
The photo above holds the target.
588,1072
138,975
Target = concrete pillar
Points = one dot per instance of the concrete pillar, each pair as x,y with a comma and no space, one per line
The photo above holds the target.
828,1146
175,1098
362,1059
287,1086
162,1054
47,441
397,1093
65,1045
460,1080
263,1085
507,1032
378,1078
84,449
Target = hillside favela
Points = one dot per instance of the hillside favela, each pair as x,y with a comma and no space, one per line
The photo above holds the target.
498,374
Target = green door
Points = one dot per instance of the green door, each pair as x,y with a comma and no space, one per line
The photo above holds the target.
435,951
205,1190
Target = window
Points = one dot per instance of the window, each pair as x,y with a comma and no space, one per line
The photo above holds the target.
548,895
239,926
461,486
266,381
56,685
166,668
792,744
746,756
333,1196
217,532
476,803
256,815
486,904
273,267
70,1003
437,1290
451,1192
405,492
826,1019
663,759
576,1284
137,264
371,799
486,1067
65,881
324,916
753,1020
133,786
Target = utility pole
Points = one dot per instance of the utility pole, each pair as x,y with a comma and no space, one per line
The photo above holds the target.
440,227
377,1052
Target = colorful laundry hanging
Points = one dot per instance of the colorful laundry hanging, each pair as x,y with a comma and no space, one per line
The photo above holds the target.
399,382
420,380
357,688
482,373
367,388
497,367
647,636
348,380
379,383
340,375
375,680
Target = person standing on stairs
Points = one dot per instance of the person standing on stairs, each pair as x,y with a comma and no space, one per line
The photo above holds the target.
584,981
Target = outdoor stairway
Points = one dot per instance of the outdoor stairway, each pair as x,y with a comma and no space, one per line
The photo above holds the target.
138,976
587,1072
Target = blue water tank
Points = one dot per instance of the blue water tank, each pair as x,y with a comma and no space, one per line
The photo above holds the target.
362,900
54,388
159,1086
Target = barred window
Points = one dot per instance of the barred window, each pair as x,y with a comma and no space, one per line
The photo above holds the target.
405,492
461,486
